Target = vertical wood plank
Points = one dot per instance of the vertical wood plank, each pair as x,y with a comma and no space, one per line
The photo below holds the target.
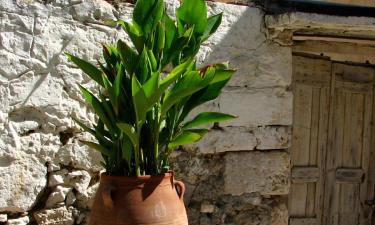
367,187
300,147
352,157
313,154
322,145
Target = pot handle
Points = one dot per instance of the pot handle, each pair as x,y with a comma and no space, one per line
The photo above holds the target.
107,197
180,188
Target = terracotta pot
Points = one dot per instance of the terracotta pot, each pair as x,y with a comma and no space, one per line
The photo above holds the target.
146,200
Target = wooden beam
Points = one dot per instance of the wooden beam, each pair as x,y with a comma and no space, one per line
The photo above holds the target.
346,175
343,52
334,39
303,221
361,3
305,174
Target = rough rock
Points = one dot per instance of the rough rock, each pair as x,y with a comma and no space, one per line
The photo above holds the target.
59,216
70,198
279,215
22,178
53,167
207,208
86,199
79,180
263,172
57,197
3,218
19,221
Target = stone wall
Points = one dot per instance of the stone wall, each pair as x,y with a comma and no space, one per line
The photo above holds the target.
238,174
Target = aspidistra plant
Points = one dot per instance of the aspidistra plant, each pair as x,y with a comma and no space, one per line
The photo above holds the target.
142,109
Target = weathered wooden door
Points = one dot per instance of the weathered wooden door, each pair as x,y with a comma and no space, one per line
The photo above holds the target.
333,143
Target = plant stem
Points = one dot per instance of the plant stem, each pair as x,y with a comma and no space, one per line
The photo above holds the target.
156,138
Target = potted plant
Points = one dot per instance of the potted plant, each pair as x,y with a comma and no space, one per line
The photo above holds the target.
147,91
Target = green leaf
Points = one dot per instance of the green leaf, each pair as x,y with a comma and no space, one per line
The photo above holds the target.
170,37
188,137
193,12
144,67
147,13
97,147
151,88
211,92
159,38
153,62
88,68
135,33
139,100
207,118
130,132
127,151
213,23
186,86
128,56
97,106
174,75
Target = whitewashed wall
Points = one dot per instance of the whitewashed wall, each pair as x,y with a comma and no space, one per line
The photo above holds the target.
238,174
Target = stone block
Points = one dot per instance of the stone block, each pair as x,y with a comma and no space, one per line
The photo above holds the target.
263,172
22,178
3,218
59,216
229,139
57,197
19,221
258,107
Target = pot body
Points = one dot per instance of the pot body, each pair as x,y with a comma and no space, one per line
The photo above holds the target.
146,200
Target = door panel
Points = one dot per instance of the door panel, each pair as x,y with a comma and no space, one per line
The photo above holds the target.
311,86
349,148
333,145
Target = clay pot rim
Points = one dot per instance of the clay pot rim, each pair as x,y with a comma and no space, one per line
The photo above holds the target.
134,180
143,177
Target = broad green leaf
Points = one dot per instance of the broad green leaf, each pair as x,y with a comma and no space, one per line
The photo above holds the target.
102,135
130,132
208,93
147,13
193,12
170,37
117,87
128,56
88,68
110,54
186,86
188,137
127,150
144,67
213,23
97,147
111,93
174,75
151,88
208,118
97,106
159,42
139,100
153,62
135,33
